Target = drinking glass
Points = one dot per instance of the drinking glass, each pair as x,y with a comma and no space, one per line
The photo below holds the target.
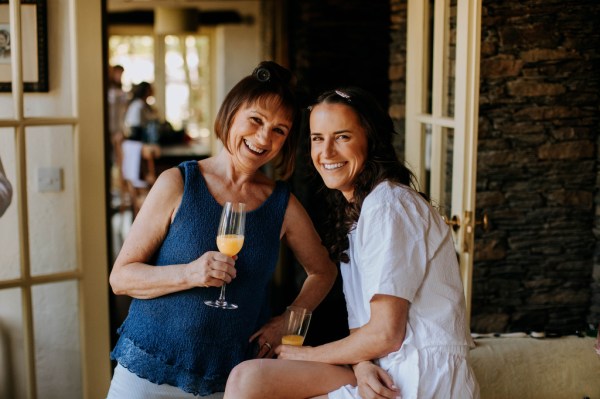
295,326
230,239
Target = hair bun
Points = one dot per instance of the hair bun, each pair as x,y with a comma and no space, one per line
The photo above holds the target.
262,74
270,71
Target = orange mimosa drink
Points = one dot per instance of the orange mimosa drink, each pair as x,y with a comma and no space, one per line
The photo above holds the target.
296,340
230,244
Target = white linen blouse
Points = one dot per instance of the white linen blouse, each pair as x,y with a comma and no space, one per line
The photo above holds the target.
401,246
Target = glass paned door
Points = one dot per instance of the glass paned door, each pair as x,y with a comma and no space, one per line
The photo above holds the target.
53,267
442,86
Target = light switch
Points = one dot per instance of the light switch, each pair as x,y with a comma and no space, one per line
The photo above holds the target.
49,180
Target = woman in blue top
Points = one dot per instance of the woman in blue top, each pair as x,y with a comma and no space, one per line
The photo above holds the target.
172,344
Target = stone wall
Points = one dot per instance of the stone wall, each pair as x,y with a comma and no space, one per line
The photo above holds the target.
537,165
538,267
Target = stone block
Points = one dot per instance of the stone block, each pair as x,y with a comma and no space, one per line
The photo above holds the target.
527,88
567,150
487,250
397,111
489,199
539,54
492,322
501,66
579,199
397,72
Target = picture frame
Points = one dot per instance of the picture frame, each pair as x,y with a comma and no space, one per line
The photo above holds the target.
34,42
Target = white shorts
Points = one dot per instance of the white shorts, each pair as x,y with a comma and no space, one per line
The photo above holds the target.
127,385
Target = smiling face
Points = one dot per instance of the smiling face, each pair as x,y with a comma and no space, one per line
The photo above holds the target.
339,146
257,134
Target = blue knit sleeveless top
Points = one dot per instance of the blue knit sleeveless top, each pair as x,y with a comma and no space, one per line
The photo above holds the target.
178,340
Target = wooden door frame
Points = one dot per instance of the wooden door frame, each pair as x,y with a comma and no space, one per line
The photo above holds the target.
465,118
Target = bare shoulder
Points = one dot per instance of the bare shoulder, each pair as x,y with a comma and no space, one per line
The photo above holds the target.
295,207
171,179
296,218
167,190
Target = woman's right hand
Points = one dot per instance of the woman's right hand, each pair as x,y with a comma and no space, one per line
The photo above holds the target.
374,382
212,269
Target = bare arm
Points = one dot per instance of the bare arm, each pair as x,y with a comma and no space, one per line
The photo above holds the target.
383,334
302,238
305,243
132,275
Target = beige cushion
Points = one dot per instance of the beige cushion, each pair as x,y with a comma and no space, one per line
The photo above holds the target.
523,368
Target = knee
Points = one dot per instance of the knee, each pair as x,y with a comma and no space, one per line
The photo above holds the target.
245,380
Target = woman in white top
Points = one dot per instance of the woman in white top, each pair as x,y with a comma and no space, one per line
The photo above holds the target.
406,309
139,113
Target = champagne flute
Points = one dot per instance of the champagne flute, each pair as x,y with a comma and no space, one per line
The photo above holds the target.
230,239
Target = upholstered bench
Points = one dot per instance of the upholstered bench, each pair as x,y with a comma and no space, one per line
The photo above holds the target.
529,368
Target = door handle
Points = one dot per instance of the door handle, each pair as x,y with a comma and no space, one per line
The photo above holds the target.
469,224
455,222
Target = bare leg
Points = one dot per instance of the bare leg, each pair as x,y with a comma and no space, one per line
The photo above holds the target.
285,379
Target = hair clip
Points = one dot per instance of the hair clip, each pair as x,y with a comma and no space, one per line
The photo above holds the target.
262,74
342,94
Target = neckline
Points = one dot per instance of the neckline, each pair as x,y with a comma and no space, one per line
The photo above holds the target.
217,203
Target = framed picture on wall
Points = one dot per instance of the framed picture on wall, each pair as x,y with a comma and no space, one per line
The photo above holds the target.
34,45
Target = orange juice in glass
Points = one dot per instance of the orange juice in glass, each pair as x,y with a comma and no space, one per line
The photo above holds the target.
230,244
295,325
292,339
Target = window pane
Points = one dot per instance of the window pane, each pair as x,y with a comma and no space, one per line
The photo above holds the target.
57,349
188,84
450,62
136,55
446,205
7,110
428,51
10,257
51,217
13,377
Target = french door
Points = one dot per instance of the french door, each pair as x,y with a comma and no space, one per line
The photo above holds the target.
442,102
54,337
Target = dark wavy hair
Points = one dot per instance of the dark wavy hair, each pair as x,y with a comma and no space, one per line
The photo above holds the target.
268,80
381,164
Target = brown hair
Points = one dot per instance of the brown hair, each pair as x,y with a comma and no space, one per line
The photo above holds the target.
268,80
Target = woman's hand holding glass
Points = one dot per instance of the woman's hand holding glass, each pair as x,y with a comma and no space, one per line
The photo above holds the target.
212,269
230,238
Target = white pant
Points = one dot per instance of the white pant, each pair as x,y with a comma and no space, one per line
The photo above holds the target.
127,385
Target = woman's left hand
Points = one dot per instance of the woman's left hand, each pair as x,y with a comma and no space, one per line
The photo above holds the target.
268,337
